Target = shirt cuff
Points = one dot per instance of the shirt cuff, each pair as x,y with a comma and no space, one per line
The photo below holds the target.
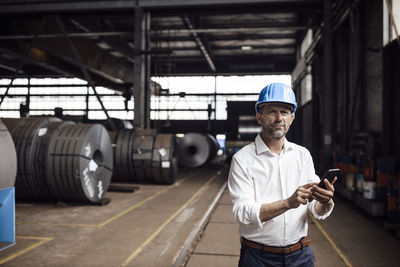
316,215
256,214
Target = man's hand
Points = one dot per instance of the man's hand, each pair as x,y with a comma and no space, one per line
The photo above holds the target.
302,195
323,195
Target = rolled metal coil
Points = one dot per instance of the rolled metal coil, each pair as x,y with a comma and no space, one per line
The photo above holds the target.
8,158
214,147
193,149
80,163
124,168
28,134
143,154
165,165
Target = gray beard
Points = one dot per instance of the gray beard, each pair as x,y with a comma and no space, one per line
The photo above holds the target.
276,134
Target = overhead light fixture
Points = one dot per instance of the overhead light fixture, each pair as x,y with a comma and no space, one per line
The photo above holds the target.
246,47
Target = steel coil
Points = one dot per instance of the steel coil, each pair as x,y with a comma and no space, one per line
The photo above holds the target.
164,162
80,163
8,158
143,154
28,134
214,147
193,149
124,168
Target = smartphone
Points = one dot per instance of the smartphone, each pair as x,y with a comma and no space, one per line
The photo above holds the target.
330,175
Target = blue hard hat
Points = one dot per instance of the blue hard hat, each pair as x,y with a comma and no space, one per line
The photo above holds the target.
277,92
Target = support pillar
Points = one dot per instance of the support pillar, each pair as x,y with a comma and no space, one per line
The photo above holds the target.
141,70
328,101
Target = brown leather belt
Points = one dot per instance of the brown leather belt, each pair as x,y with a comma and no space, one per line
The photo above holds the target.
303,242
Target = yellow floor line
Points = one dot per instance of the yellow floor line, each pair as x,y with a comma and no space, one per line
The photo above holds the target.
114,217
159,229
137,205
325,234
59,224
19,253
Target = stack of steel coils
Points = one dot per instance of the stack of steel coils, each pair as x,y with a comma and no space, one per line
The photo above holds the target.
80,162
196,149
124,170
141,155
61,160
27,135
143,143
8,162
165,166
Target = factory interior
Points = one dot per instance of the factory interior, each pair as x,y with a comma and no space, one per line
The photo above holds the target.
119,120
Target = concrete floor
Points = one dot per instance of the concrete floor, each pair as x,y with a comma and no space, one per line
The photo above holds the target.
153,226
348,237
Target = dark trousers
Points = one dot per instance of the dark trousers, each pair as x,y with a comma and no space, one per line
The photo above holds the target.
251,257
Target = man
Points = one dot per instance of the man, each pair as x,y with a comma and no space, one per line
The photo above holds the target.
272,183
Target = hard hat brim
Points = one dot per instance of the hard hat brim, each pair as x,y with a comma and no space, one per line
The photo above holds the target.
289,105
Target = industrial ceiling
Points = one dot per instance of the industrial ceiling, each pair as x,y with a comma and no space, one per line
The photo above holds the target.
100,39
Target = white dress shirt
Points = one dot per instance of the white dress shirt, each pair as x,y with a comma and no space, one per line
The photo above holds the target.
259,176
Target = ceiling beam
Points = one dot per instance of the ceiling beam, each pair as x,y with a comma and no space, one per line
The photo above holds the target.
61,7
233,37
203,48
237,65
58,35
94,58
236,47
38,59
234,30
115,42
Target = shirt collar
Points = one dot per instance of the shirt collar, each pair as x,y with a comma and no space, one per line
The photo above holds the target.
261,147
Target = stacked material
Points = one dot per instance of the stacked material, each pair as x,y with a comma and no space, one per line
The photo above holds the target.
165,166
61,160
80,162
143,156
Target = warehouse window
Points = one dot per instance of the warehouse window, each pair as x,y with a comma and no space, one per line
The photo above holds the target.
188,98
43,95
391,19
306,89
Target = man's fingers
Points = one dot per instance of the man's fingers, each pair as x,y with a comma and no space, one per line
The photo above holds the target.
329,186
322,196
302,200
304,196
309,185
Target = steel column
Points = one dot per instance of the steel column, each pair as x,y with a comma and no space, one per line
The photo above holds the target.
140,71
328,94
